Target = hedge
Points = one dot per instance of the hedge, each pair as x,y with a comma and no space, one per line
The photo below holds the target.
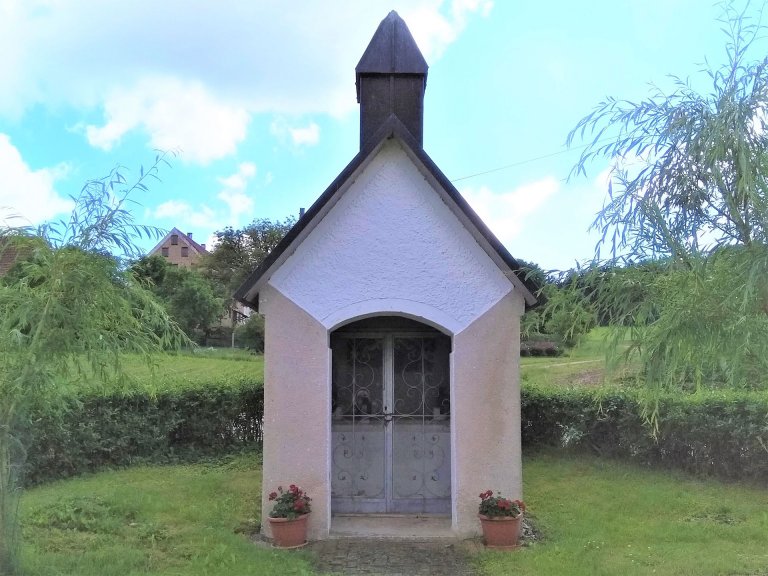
114,431
720,434
713,434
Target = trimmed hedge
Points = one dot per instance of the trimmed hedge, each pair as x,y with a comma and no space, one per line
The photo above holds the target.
115,431
712,434
721,434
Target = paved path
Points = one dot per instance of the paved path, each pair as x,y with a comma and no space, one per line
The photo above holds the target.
391,557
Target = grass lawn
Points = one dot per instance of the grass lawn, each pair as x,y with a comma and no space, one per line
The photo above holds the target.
203,368
596,517
600,517
176,520
584,365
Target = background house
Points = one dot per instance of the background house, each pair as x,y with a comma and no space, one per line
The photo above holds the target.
179,248
392,327
8,255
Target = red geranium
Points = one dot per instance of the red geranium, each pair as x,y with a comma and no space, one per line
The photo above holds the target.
494,506
291,503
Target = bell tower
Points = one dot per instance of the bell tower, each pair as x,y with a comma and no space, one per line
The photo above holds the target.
391,78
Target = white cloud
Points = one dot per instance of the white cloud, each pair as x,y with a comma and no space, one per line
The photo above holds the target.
236,210
309,135
434,30
175,115
191,75
234,192
299,136
27,196
506,213
184,216
172,209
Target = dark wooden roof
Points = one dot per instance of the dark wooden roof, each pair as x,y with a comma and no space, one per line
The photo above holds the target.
392,128
392,50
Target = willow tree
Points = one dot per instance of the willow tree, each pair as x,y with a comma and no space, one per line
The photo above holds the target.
69,309
689,190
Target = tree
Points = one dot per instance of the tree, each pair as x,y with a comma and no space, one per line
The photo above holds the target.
189,298
67,310
251,333
690,187
191,302
565,315
562,315
238,252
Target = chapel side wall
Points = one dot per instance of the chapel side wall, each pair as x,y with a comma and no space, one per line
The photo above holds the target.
296,408
486,410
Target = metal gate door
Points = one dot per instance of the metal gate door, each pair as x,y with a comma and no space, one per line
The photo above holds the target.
391,423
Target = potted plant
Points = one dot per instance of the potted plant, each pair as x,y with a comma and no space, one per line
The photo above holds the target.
288,519
500,518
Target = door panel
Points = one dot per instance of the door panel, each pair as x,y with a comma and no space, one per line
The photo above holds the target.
421,431
358,434
390,423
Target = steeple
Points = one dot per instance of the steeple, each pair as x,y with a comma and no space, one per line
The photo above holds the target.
391,79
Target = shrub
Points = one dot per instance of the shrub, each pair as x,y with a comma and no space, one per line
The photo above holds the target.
251,333
708,434
114,431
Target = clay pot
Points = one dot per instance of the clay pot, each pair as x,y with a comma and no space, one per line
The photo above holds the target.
501,532
289,532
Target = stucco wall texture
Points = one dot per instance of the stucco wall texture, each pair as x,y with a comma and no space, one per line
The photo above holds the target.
297,400
485,410
391,238
391,245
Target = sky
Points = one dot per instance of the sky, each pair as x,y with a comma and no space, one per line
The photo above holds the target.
257,98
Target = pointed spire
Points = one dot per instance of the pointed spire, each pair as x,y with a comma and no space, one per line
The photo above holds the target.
391,79
392,50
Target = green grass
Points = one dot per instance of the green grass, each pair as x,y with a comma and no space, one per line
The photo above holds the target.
178,520
597,517
584,365
601,517
204,368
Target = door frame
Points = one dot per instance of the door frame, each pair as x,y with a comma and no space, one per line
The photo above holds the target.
436,506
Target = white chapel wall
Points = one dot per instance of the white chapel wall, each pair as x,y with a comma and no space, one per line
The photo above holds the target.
391,244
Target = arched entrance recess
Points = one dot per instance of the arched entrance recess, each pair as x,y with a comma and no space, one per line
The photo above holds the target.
390,417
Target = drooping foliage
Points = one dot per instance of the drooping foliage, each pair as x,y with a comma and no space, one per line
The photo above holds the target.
690,192
69,307
562,316
189,298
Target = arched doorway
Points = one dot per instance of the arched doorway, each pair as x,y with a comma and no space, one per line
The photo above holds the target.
390,418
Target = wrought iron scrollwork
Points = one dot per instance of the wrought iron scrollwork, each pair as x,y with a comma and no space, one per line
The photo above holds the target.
411,373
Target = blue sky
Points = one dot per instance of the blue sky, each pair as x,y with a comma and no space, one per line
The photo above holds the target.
259,96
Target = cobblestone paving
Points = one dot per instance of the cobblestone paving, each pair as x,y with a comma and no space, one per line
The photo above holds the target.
389,557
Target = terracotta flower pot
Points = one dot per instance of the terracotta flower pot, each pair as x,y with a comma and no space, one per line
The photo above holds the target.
501,532
289,532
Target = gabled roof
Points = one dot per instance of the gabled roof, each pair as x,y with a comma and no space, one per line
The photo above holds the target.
184,238
247,293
